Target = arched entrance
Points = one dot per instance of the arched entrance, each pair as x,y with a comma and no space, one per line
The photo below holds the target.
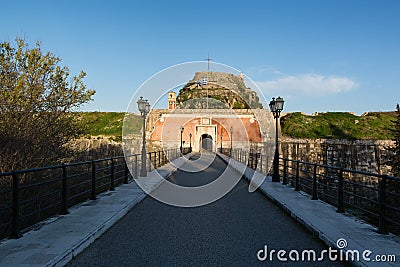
206,142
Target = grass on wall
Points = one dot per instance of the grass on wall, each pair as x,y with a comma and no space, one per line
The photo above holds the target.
108,124
339,125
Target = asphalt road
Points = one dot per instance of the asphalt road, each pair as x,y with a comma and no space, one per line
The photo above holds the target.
229,231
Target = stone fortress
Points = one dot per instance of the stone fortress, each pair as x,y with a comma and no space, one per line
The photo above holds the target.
209,107
208,110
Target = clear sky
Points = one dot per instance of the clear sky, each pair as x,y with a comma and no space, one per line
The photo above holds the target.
318,55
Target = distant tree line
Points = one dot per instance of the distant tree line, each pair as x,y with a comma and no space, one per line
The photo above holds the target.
37,96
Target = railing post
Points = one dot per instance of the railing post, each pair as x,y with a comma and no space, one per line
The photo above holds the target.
382,229
297,184
150,161
340,208
135,174
159,158
15,208
93,192
314,185
125,173
64,197
261,163
284,178
112,186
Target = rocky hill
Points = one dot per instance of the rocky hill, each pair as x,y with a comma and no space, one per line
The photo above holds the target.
227,91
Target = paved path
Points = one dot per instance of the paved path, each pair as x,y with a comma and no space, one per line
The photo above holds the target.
229,231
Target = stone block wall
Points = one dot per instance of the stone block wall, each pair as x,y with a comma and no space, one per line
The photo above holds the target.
363,155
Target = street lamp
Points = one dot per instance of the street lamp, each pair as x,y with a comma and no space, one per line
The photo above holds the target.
230,151
144,108
190,143
181,139
221,141
276,106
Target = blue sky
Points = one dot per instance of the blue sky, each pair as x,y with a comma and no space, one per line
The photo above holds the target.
318,55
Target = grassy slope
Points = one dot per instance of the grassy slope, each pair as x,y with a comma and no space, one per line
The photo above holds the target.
335,125
108,124
338,125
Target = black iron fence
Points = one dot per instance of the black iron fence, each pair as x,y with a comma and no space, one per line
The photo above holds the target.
30,196
372,197
255,160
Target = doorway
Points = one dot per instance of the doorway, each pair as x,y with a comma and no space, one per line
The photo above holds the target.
206,142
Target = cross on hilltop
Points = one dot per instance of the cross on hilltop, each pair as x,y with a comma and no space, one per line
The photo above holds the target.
208,65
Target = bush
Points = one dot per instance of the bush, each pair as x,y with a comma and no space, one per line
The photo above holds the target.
37,97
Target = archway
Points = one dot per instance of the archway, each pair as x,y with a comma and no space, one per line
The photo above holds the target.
206,142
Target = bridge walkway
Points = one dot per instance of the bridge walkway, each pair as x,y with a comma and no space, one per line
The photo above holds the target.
229,231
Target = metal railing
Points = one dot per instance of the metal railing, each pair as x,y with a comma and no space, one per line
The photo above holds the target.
30,196
372,197
257,160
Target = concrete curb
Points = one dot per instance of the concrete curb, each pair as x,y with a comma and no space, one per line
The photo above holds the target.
87,240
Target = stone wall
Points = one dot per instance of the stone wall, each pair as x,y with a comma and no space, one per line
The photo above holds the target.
363,155
84,149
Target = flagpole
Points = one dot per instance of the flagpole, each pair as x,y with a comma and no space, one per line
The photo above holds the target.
208,71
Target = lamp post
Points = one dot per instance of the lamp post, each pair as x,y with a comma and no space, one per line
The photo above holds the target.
221,141
190,143
276,106
144,108
181,128
230,150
